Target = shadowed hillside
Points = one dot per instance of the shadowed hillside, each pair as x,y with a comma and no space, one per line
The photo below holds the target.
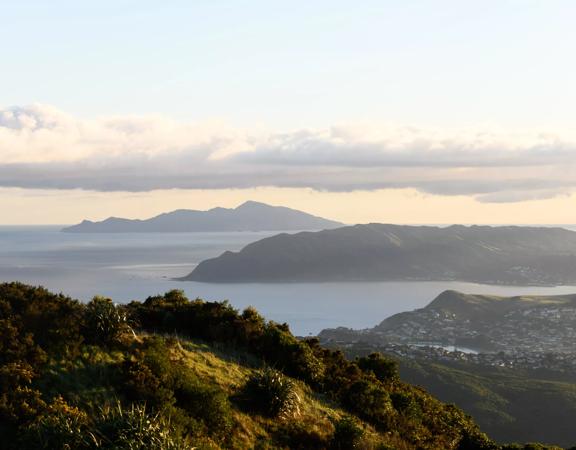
377,252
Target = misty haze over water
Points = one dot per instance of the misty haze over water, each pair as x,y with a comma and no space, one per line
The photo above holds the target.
133,266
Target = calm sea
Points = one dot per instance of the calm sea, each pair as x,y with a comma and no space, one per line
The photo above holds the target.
133,266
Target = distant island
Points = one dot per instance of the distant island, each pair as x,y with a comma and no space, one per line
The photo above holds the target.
249,216
379,252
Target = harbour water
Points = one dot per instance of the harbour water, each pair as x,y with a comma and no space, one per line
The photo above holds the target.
131,266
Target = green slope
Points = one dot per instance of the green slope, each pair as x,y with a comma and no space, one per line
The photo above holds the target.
170,373
510,404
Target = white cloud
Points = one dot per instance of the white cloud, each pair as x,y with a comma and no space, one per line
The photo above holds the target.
41,147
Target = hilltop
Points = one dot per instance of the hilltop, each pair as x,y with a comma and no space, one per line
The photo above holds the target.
170,373
477,309
521,323
380,252
249,216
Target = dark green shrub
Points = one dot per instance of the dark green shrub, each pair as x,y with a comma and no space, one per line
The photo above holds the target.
185,425
280,348
339,373
104,322
406,404
253,325
385,369
273,394
60,427
16,374
16,345
151,376
299,435
370,402
172,299
18,407
20,404
35,321
475,440
141,384
347,434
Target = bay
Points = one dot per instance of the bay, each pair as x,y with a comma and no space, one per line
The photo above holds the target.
133,266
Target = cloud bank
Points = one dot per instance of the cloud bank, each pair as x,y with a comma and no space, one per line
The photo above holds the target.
42,147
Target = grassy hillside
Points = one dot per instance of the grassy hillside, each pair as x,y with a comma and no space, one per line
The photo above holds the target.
169,373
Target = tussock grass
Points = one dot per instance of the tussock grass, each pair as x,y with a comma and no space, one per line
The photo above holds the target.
231,368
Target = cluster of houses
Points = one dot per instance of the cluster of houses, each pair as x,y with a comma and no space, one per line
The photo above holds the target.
562,362
542,336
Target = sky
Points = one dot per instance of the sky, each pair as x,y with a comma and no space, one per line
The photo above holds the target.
412,111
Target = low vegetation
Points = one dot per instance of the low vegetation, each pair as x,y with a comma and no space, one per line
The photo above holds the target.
170,373
510,404
272,393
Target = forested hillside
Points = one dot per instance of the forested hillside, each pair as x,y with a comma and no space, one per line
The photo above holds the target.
510,404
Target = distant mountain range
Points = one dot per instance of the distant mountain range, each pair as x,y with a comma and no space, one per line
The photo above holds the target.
250,216
379,252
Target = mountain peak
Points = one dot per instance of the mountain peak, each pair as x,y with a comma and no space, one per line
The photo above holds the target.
450,298
253,204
